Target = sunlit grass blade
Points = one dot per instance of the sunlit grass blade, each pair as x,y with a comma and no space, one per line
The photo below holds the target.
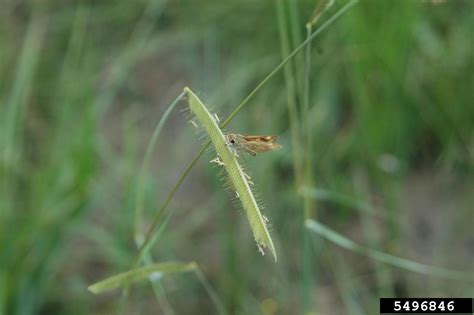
127,278
388,259
235,172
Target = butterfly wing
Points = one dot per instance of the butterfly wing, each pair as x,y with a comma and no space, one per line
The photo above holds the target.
268,139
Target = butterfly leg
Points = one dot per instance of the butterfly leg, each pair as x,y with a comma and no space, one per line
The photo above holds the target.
249,151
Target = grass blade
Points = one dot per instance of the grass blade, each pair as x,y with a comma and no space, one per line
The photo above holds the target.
388,259
127,278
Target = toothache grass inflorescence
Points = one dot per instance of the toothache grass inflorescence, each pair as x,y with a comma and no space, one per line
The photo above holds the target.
238,179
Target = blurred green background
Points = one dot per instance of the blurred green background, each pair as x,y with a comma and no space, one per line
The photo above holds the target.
389,126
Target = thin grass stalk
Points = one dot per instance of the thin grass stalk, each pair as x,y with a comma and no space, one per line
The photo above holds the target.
163,301
296,38
147,243
290,80
308,127
139,204
158,290
309,203
146,255
308,269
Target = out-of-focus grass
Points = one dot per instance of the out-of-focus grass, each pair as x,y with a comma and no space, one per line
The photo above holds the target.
83,84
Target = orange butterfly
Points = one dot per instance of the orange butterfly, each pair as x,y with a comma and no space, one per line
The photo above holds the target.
253,144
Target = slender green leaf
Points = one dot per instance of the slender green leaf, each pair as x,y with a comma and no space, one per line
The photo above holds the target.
395,261
135,275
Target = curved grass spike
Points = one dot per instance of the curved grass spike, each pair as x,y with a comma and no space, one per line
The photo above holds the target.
234,170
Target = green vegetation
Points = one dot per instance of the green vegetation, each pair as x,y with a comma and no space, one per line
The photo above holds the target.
102,176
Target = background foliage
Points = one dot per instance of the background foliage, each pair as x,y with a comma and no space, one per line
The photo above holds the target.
83,83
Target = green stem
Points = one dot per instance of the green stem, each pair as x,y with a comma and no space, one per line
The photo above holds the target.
308,253
291,94
161,211
308,167
146,162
